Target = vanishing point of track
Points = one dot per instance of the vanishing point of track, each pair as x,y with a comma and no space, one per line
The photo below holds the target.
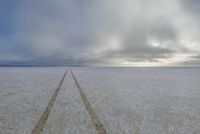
44,117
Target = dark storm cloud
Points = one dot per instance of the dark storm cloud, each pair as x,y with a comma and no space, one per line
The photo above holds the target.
106,32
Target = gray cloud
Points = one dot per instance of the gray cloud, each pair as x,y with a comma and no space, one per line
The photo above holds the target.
192,5
106,32
191,61
138,43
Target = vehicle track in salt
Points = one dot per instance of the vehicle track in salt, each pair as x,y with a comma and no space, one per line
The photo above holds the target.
43,119
95,120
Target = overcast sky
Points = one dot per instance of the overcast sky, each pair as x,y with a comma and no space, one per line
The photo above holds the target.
100,32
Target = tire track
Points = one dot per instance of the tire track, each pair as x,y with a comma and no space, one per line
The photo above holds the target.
95,120
43,119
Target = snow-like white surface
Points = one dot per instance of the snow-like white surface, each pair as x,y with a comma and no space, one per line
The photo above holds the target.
126,100
24,94
144,100
68,115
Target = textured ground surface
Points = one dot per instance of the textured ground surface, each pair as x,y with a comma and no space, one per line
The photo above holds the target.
24,94
144,100
126,100
68,115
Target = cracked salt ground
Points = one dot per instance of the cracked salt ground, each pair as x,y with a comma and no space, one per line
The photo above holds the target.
144,100
24,93
68,116
126,100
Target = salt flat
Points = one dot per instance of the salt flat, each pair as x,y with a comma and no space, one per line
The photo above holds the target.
24,94
126,100
69,116
144,100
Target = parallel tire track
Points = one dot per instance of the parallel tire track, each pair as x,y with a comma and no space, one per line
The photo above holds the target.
95,120
42,121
